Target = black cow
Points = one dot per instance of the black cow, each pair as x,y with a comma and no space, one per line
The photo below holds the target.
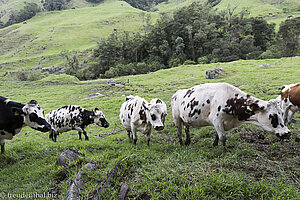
14,116
72,117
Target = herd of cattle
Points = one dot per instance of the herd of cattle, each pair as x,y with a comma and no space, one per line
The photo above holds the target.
212,104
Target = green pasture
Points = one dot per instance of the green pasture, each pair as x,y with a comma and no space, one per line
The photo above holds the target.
251,167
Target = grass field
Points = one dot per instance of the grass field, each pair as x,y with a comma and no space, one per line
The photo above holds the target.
255,165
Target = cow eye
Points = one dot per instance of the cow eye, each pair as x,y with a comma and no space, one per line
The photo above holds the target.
33,117
153,117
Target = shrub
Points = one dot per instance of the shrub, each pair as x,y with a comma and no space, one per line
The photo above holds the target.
189,62
203,60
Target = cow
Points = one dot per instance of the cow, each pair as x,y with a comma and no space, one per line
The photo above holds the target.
14,116
290,101
225,107
72,117
136,114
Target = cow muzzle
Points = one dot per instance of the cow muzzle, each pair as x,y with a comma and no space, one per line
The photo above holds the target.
47,127
284,135
106,125
159,128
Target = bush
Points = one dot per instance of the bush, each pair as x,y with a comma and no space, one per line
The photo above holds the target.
30,75
189,62
203,60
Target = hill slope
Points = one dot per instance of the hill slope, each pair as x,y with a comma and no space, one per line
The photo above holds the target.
41,41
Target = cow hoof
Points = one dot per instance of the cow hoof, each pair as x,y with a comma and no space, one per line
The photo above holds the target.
86,139
187,143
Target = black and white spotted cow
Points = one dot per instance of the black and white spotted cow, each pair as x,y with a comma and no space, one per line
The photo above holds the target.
73,117
224,106
14,116
136,114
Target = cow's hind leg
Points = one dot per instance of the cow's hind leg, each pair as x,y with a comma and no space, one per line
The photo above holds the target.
2,143
134,135
188,136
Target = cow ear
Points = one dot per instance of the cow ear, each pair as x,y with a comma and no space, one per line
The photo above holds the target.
16,111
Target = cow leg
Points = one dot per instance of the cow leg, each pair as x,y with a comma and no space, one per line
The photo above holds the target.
216,141
290,116
178,125
148,138
134,136
188,136
85,135
51,135
54,136
129,138
2,143
220,132
286,108
80,131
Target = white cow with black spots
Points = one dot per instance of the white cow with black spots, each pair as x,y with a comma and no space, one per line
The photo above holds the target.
136,114
223,106
73,117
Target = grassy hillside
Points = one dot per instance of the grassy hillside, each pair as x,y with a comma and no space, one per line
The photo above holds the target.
42,41
256,165
272,10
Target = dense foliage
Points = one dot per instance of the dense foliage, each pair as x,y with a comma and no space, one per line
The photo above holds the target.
144,4
196,33
29,11
288,37
51,5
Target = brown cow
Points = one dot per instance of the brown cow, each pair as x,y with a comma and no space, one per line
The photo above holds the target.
290,101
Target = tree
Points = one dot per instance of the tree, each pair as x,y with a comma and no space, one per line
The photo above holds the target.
29,11
51,5
288,37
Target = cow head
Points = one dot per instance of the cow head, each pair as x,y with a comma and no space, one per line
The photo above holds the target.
99,118
33,116
270,118
156,112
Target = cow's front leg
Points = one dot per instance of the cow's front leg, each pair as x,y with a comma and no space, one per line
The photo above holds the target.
80,131
148,138
188,136
85,135
129,137
216,140
220,132
286,108
178,125
2,143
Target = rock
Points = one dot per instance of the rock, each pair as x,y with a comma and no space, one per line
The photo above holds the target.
212,74
123,191
264,65
51,70
94,95
78,183
67,157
